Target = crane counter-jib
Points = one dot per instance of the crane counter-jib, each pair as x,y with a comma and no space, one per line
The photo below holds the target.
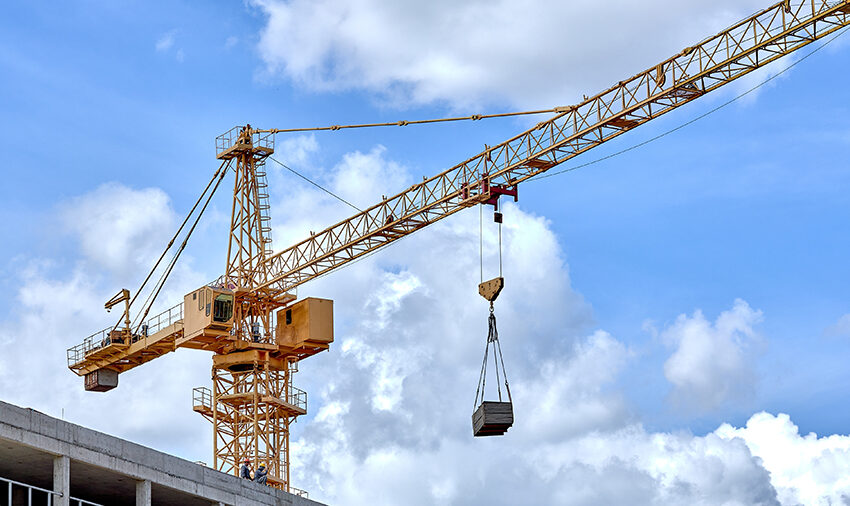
729,55
109,348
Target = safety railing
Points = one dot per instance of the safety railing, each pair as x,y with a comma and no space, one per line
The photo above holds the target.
202,397
97,340
226,140
102,338
299,492
40,495
297,397
164,319
222,282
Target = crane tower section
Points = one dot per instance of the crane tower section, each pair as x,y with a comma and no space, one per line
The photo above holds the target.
253,401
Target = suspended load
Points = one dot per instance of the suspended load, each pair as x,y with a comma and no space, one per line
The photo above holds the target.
492,418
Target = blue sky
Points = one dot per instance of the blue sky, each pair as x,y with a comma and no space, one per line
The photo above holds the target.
109,115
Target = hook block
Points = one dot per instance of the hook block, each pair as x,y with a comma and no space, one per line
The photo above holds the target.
491,289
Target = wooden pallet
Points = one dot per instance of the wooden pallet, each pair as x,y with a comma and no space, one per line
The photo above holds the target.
492,419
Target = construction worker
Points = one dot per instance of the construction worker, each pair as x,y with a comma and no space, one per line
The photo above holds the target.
260,474
245,470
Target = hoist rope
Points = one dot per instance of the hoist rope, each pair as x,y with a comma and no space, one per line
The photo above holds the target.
481,239
500,250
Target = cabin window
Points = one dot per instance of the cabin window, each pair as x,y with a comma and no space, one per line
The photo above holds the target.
223,308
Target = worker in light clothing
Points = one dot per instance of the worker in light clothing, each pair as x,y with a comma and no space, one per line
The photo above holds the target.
245,470
260,474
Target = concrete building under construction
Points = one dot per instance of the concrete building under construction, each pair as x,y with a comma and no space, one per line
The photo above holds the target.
46,461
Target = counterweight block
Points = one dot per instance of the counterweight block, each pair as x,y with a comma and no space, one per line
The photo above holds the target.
101,380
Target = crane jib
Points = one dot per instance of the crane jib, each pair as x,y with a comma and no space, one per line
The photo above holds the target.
750,44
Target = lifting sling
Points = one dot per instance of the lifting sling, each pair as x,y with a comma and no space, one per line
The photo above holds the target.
492,418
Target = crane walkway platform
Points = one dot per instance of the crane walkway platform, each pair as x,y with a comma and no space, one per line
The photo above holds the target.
294,405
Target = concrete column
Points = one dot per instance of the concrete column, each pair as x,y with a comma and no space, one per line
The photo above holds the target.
143,493
62,480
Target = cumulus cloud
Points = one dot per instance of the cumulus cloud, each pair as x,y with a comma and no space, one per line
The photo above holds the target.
59,301
804,469
393,398
711,363
165,41
520,53
390,404
359,178
117,227
841,328
569,396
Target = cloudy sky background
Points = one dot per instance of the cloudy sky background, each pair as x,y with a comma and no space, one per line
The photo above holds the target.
675,324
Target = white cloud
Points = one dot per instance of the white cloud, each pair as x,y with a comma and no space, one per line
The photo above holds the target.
601,464
58,302
756,82
393,397
165,41
297,151
118,228
569,396
803,469
527,53
55,313
841,328
390,404
390,365
359,178
711,363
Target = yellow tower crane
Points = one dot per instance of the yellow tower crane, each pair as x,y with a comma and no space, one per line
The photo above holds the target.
250,318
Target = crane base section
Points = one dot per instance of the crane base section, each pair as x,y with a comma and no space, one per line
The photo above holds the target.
492,419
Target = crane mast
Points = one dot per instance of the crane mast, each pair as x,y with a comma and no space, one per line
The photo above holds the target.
252,402
249,317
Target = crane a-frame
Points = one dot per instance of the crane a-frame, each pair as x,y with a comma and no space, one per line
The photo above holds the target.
250,318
